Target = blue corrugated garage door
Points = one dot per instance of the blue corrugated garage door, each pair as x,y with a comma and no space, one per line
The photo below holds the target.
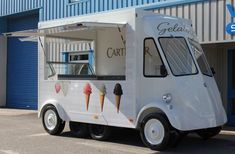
22,65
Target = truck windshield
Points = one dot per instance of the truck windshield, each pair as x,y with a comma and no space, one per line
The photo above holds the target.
178,56
201,58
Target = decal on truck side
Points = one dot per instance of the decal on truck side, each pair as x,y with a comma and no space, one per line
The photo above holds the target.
57,87
118,52
103,92
118,94
87,91
165,27
62,86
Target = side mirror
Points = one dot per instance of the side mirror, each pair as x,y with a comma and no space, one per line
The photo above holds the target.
163,70
213,70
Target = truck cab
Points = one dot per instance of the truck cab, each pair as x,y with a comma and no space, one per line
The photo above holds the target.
177,72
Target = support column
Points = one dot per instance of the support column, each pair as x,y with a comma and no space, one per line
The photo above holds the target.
3,61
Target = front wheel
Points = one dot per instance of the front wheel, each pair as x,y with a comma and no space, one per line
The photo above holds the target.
155,132
209,132
52,123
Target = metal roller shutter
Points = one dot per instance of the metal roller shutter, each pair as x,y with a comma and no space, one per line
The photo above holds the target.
22,67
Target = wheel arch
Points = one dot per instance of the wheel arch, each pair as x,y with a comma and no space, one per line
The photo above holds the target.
155,108
58,107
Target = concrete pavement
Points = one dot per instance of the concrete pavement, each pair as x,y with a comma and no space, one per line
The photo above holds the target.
21,132
14,112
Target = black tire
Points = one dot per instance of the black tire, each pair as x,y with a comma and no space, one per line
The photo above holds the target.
79,129
209,133
59,125
99,132
164,122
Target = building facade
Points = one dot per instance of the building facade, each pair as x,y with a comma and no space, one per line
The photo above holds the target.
18,61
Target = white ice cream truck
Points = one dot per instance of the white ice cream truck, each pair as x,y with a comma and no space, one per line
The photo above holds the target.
129,68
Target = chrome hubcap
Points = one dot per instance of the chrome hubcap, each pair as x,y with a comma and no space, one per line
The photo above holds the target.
50,119
154,131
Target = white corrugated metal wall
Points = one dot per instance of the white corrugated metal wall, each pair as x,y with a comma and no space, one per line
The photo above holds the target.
209,18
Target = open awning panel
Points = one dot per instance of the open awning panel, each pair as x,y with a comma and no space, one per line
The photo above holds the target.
85,30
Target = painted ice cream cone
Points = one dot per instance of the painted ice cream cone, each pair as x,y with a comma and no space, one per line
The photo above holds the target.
57,87
118,100
102,102
65,87
102,96
87,91
87,101
118,94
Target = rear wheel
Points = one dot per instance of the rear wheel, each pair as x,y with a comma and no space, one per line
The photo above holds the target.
155,132
209,133
99,132
52,123
79,129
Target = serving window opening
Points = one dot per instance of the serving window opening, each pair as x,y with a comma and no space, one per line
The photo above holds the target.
69,58
94,54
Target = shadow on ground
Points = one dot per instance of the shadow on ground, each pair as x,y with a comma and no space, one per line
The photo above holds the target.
190,144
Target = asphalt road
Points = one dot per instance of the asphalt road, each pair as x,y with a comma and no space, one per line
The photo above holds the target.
22,133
